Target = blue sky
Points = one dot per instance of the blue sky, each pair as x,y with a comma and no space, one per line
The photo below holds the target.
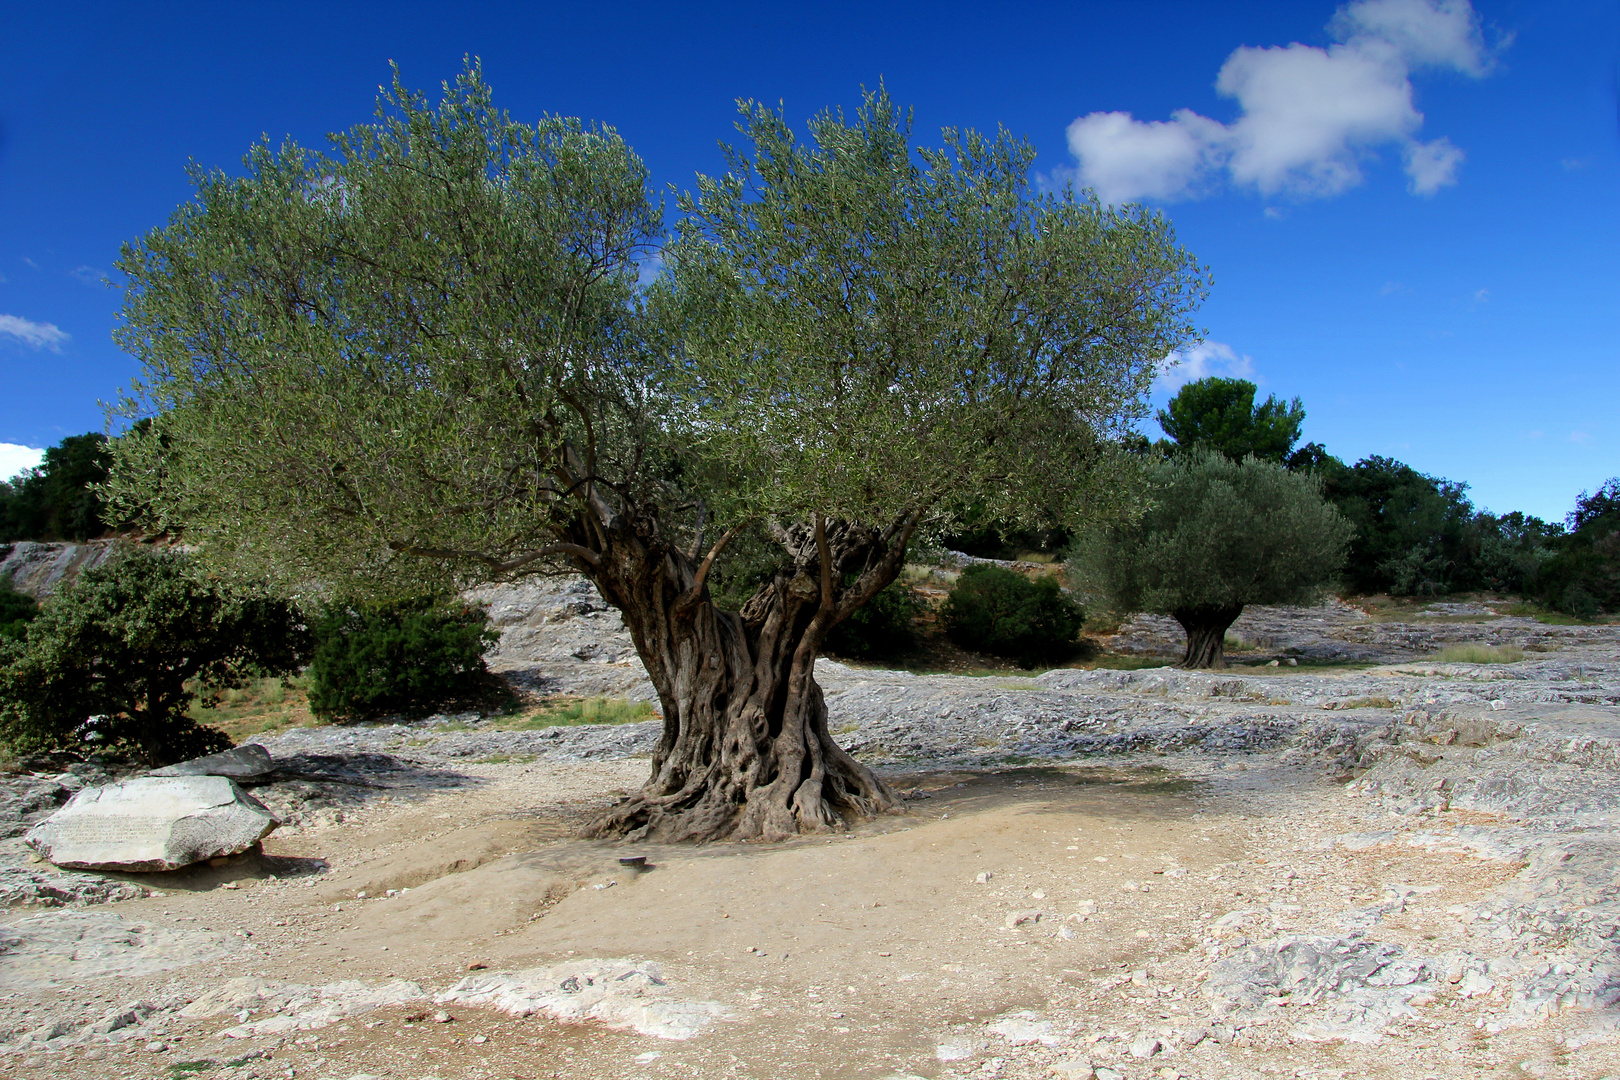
1409,206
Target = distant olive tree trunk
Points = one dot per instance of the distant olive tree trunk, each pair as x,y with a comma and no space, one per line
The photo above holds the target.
1206,634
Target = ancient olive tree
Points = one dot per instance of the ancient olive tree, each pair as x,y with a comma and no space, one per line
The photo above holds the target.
1221,534
423,359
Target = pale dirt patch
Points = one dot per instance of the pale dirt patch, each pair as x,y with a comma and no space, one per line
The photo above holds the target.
865,955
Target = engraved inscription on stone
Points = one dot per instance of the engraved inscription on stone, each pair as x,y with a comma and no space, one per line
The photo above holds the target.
152,823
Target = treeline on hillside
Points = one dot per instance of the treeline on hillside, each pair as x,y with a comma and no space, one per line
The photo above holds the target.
54,500
1415,534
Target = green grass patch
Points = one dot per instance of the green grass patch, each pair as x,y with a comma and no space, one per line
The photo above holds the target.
571,711
1549,617
1479,654
190,1068
258,707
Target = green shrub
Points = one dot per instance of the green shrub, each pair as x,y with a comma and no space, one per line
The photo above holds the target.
115,658
997,611
17,610
884,627
404,656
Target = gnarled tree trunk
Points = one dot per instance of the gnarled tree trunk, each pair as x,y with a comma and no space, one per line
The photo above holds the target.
746,752
1206,634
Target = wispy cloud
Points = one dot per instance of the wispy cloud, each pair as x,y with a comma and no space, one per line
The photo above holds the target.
1201,361
34,335
1390,288
1308,116
1481,296
30,263
15,458
1584,438
89,275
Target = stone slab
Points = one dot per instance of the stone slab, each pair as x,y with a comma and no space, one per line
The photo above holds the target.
249,761
152,823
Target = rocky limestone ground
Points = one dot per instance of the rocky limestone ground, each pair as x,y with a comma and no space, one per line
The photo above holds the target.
1400,869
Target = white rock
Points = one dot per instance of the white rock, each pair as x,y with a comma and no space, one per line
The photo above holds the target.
1026,1028
618,993
1145,1046
152,823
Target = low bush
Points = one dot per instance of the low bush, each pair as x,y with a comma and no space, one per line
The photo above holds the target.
115,659
1479,654
17,610
884,628
997,611
405,656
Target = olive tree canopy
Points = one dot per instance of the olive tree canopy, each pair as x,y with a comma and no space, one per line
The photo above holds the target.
1221,534
424,359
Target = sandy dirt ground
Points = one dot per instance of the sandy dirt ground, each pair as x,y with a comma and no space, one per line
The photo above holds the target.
907,947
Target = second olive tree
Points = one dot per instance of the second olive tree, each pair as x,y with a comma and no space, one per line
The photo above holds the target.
1221,535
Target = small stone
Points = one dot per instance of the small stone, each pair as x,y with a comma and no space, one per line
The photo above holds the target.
1145,1046
1067,933
441,1017
983,877
156,1047
476,965
1105,1073
1194,1037
361,895
1019,918
480,1038
1037,895
1072,1070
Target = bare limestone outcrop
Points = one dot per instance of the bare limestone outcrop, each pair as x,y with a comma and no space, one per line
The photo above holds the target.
37,569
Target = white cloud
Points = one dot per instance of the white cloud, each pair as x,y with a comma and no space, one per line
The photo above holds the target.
1201,361
1431,165
1123,157
14,458
89,275
1309,117
34,335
